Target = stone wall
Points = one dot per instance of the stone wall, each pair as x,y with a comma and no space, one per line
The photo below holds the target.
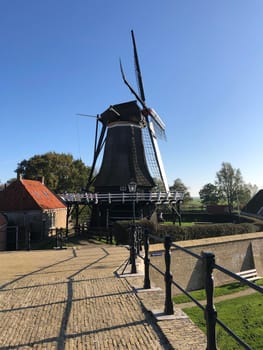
235,253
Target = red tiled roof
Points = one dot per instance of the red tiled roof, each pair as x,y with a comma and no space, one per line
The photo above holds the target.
28,195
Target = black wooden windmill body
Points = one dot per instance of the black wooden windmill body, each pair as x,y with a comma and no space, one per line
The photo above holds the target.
128,139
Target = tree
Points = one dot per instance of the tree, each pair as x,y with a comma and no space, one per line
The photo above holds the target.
253,189
245,193
229,188
229,183
61,172
8,182
209,194
159,186
179,186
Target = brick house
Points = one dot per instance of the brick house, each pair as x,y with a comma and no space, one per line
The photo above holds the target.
32,208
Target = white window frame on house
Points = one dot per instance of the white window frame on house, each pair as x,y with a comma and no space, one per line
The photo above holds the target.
53,219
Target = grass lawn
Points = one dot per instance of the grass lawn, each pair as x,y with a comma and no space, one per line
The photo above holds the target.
242,315
219,291
194,203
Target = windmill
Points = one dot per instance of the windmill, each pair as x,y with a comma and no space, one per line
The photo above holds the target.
129,138
131,170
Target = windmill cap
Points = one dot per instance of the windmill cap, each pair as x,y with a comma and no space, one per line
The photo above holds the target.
128,111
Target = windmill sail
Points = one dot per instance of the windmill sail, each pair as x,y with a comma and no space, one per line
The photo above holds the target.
158,124
154,125
154,160
137,68
151,158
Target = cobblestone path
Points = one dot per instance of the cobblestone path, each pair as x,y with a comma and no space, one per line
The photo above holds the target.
56,300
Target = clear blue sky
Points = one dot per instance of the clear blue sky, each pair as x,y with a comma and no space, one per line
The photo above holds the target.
202,66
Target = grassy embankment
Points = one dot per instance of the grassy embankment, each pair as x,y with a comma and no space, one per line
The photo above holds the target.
243,315
226,289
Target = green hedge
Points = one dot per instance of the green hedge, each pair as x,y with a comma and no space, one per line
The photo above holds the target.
120,230
180,233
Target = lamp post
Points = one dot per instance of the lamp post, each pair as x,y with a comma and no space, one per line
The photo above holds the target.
132,186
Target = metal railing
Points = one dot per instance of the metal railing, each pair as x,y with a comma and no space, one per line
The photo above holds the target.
208,259
122,197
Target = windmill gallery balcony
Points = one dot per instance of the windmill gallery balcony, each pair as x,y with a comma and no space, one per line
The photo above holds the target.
123,197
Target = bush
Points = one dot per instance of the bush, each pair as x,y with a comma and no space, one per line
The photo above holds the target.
147,224
179,233
121,230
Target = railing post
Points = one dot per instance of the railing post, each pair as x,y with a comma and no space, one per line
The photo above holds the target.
168,307
133,250
147,282
110,234
210,311
139,239
56,237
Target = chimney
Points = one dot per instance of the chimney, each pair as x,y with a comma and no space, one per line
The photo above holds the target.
19,177
41,179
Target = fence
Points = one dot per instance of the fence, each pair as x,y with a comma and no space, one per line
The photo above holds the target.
208,259
156,197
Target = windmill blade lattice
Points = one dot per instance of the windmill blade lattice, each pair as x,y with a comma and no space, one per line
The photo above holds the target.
151,158
158,125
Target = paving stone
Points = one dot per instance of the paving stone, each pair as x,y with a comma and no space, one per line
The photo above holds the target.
74,300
